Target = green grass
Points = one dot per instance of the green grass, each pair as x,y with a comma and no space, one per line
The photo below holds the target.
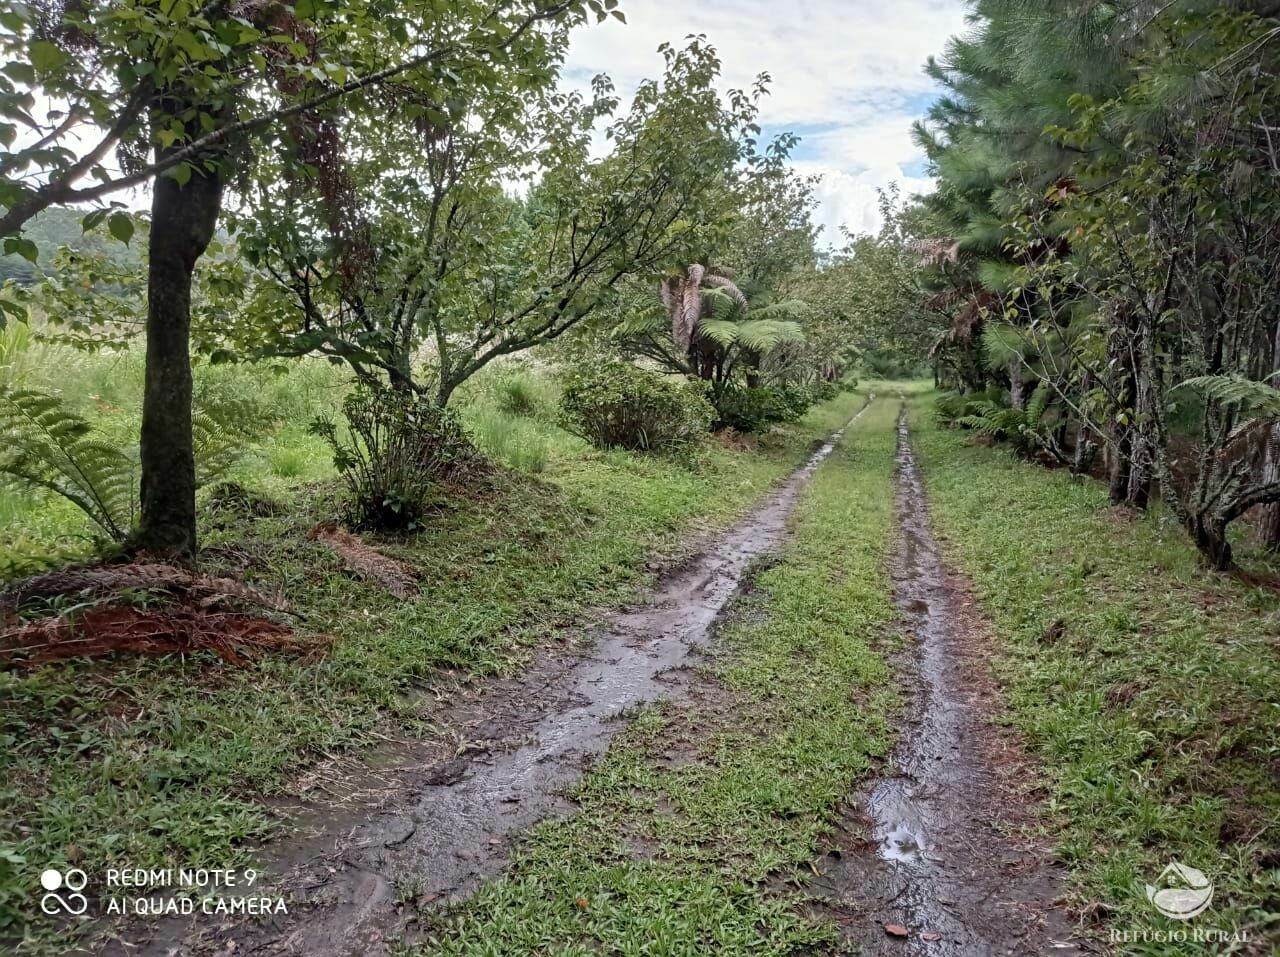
1154,712
161,762
683,858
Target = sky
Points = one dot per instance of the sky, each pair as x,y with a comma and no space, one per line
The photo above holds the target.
847,78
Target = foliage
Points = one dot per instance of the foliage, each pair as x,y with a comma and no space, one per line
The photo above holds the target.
619,405
401,447
509,439
1107,224
52,447
520,392
191,100
49,447
1026,429
755,408
442,253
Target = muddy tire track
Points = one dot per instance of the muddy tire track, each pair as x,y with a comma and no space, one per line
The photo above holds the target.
444,836
948,871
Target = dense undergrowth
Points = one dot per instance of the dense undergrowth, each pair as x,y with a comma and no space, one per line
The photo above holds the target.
161,762
686,826
1147,686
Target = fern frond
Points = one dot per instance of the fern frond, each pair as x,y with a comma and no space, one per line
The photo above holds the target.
789,310
53,448
765,335
1248,395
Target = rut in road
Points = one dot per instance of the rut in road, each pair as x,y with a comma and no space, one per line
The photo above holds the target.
453,831
946,863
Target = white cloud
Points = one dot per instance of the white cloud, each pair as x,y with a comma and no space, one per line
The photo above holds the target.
850,68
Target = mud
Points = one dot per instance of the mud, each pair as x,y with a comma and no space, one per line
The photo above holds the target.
948,871
523,743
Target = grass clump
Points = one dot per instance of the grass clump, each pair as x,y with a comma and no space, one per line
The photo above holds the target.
509,439
683,858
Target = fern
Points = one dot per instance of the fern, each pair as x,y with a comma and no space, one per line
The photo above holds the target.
47,446
1248,395
50,447
1026,429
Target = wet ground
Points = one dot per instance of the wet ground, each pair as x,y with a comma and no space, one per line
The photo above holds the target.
517,745
949,871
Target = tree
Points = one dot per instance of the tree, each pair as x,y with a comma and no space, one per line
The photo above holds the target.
181,95
1110,209
431,251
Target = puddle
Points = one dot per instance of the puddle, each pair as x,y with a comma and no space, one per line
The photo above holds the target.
942,863
453,831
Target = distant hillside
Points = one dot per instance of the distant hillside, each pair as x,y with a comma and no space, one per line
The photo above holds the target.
61,227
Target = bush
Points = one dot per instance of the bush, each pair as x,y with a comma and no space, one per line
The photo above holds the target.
753,409
401,446
618,405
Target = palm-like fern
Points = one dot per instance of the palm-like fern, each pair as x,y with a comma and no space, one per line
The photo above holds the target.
1259,400
51,447
1027,429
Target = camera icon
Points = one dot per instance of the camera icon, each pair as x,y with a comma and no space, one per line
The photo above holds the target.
72,902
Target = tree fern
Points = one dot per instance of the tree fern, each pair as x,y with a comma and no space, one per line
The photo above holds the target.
51,447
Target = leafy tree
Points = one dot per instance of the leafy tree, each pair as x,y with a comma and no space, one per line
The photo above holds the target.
424,248
180,96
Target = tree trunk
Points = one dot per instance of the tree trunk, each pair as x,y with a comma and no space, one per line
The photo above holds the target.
1270,525
1120,445
183,220
1210,537
1017,388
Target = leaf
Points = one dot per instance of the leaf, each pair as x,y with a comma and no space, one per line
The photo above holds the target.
46,56
897,930
21,246
120,226
930,935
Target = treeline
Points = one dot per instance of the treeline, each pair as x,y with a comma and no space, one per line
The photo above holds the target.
1104,246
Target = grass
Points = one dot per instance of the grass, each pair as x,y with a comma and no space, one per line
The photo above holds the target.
686,857
1149,688
162,762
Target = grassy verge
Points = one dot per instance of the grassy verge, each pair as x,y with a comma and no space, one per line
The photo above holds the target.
1148,687
161,762
698,807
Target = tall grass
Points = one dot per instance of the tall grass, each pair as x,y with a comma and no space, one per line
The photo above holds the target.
508,439
521,392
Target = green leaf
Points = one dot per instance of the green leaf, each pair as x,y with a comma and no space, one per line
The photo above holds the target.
120,226
46,56
20,246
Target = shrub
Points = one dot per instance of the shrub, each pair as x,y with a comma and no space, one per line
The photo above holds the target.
754,409
402,445
618,405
